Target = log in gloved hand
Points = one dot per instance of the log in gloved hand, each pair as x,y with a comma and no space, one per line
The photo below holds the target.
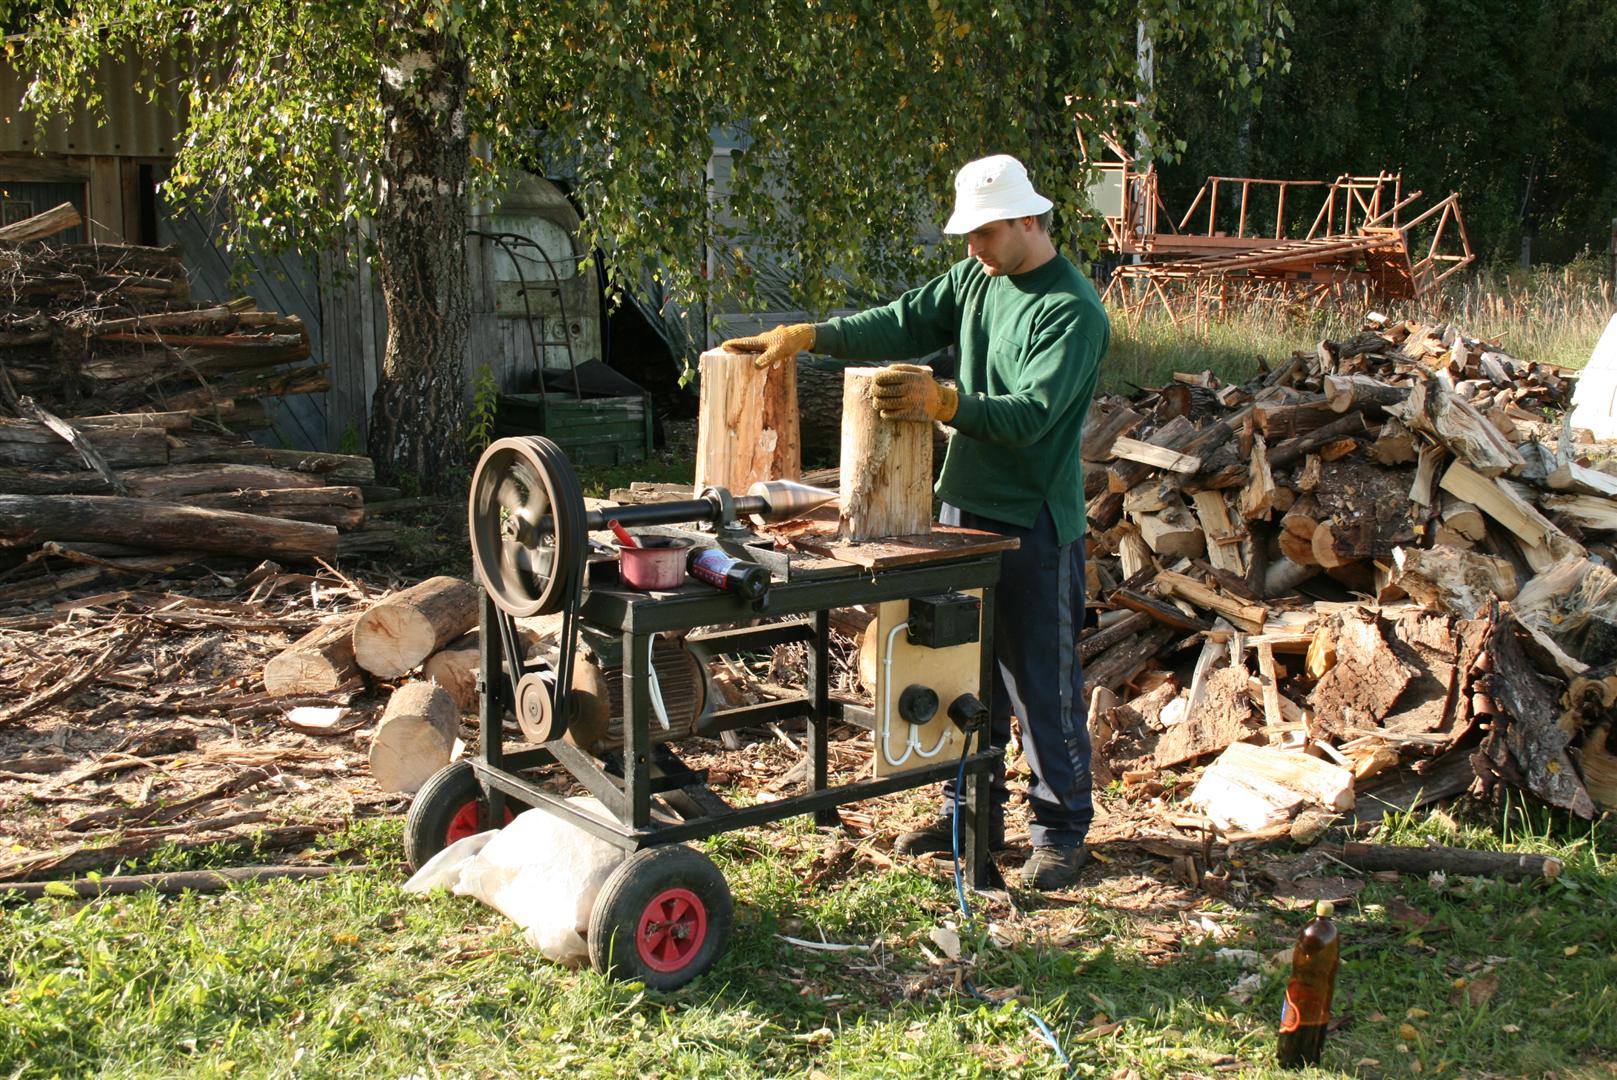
774,346
909,392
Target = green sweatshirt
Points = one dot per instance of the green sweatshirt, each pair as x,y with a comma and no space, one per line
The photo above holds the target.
1030,348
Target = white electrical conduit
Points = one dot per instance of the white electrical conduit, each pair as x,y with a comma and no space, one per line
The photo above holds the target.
651,678
912,744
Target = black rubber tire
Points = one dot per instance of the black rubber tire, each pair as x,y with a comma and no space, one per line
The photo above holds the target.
661,880
435,816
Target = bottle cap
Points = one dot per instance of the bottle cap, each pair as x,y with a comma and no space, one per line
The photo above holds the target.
1325,909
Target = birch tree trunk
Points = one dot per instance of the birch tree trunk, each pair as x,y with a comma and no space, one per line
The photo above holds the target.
418,414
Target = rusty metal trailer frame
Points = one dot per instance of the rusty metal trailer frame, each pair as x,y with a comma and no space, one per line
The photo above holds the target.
1358,246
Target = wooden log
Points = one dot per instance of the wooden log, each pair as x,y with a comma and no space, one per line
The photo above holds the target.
1272,716
1227,541
1282,454
1457,424
1165,613
1586,511
1570,476
1429,461
1157,457
886,467
747,429
1337,543
1173,533
455,668
1461,583
1296,538
1258,494
1133,553
181,881
1509,866
1241,614
1173,435
1346,392
28,442
1285,420
1103,427
341,507
1255,787
416,737
1543,543
1123,661
1133,623
1535,741
317,663
1394,444
58,219
335,468
1462,518
402,630
1222,715
147,523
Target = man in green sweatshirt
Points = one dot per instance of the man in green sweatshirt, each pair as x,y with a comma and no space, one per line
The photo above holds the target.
1030,332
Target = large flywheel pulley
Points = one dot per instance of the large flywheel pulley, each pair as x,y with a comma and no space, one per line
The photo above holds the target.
527,524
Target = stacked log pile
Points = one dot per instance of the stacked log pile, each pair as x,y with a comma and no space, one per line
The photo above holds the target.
1378,568
119,402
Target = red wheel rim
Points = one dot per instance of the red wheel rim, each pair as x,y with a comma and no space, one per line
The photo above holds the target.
465,823
671,930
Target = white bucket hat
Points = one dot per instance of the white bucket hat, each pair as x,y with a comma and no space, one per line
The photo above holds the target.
992,189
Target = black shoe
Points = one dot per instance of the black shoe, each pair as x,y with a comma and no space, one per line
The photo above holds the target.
1052,868
939,837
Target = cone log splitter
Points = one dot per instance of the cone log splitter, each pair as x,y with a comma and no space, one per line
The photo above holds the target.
627,680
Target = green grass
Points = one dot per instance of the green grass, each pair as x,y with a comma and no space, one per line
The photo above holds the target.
349,977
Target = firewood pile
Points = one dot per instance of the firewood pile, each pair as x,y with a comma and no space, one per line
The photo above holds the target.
122,398
1375,575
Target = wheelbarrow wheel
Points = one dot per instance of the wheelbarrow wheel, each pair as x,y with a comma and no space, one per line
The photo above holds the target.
663,917
448,807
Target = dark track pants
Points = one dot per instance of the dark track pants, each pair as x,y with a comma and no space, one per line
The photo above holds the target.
1038,611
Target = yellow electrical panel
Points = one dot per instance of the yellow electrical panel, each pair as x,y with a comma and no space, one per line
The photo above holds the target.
947,672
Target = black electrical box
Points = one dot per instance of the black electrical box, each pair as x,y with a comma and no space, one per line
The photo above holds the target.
945,619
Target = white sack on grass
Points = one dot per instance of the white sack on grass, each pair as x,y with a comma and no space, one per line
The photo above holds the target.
541,872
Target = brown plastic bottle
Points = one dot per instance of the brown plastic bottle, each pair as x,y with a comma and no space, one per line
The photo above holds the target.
1307,1010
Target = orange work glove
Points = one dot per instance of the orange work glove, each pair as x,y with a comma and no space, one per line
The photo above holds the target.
774,347
909,392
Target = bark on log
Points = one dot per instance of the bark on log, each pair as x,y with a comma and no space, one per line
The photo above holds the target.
747,429
1174,435
58,219
340,507
1105,427
28,442
1425,860
1284,453
317,663
886,467
1287,420
335,468
416,737
146,523
184,881
1346,392
1122,662
402,630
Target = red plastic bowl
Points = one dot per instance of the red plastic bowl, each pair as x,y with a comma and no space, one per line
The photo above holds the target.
657,565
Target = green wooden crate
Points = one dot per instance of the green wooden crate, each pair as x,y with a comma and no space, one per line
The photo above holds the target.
592,431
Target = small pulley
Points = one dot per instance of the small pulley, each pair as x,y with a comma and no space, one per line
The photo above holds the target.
527,525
